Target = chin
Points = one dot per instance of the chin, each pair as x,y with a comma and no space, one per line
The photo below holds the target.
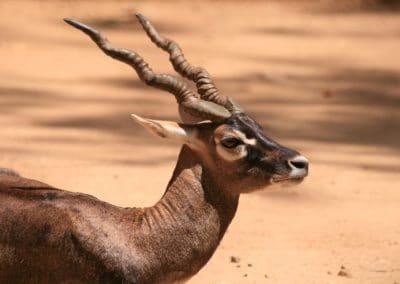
287,182
274,185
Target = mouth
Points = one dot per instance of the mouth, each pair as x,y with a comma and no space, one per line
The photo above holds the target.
286,180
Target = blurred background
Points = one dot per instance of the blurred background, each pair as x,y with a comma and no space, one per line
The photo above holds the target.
322,77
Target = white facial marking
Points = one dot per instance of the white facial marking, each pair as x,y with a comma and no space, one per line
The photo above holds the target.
238,152
232,155
243,137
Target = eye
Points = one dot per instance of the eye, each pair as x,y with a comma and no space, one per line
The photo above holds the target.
231,142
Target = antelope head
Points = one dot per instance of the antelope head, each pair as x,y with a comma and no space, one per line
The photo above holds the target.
228,141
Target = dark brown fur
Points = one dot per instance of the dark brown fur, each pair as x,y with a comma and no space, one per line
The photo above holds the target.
53,236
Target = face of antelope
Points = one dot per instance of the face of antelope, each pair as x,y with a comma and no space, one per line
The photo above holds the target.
237,151
233,146
250,159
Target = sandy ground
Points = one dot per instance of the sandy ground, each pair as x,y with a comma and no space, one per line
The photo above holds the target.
324,83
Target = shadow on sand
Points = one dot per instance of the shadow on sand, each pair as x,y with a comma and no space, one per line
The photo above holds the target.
361,105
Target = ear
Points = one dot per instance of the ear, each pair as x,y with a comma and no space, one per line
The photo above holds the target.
182,133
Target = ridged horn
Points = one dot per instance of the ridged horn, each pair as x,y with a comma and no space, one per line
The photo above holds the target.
188,100
205,85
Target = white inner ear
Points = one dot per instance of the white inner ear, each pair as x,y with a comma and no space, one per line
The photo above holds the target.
165,129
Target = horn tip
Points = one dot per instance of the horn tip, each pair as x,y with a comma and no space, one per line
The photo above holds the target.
136,118
74,23
140,17
80,26
69,21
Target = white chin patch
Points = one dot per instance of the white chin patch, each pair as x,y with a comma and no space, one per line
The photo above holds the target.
298,173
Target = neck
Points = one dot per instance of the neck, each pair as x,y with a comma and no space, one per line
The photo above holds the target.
193,186
189,221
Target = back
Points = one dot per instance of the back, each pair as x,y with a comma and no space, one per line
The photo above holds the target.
39,240
10,179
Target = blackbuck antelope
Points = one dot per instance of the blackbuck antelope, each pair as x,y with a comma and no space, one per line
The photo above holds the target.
48,235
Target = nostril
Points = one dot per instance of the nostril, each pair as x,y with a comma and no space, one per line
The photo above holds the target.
299,162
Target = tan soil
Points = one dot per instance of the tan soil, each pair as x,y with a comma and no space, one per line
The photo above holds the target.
324,83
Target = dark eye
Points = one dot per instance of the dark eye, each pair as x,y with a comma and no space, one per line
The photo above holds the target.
230,142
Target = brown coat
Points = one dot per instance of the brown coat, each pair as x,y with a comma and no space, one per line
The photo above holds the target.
53,236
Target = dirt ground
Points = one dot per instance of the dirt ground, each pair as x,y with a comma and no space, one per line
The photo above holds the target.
325,83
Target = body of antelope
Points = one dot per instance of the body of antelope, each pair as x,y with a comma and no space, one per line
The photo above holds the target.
49,235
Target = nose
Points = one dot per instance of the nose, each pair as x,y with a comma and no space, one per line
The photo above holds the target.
299,166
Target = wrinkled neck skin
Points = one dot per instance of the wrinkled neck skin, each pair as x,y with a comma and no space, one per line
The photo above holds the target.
185,227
